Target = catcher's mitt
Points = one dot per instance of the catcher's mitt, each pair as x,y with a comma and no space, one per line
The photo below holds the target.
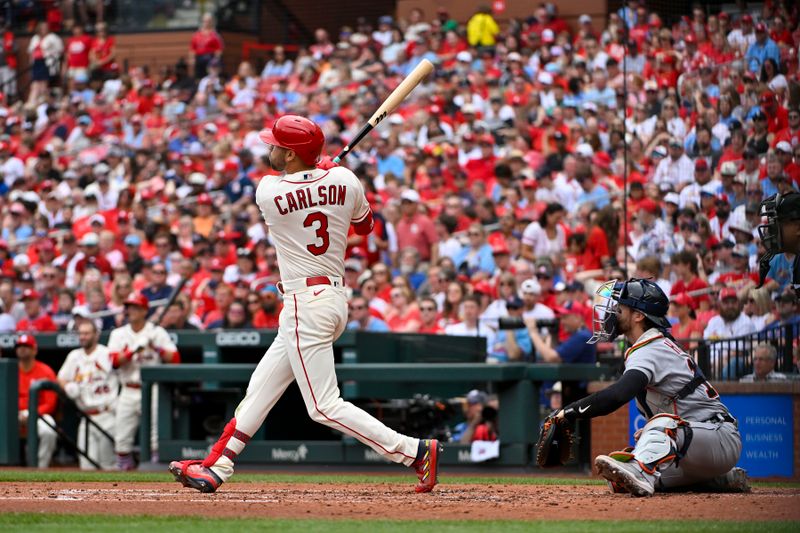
554,447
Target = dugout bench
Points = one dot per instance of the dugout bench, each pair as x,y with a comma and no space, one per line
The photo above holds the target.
517,386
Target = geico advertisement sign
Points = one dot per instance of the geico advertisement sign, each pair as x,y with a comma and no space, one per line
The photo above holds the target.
63,340
238,338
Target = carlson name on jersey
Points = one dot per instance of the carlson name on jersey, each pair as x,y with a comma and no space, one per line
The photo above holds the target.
310,197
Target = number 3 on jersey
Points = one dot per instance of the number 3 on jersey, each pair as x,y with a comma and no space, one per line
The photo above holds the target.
321,232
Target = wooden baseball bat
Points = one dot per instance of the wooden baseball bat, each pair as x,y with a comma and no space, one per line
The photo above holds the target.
399,94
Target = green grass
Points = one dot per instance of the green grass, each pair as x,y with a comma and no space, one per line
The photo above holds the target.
34,476
87,523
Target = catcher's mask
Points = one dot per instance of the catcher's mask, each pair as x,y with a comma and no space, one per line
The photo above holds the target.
774,210
770,229
641,295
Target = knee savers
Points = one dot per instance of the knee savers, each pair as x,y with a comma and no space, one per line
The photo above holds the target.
658,442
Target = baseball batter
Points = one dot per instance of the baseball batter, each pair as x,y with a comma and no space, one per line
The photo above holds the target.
88,378
309,211
690,437
138,343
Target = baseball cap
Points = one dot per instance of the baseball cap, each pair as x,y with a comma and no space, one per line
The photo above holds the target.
133,240
196,178
26,340
659,151
544,269
90,239
729,169
410,195
740,250
569,308
584,19
584,150
216,265
682,298
761,27
650,85
701,164
475,396
483,287
464,56
649,206
602,160
531,286
101,169
728,292
97,219
204,199
674,142
515,302
672,198
353,264
138,299
784,147
24,277
30,294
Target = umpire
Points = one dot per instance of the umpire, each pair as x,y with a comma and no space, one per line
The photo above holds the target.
781,233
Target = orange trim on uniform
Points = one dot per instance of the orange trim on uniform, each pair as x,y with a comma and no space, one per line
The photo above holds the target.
304,182
635,347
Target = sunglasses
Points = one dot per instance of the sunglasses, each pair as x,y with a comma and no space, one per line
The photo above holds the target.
474,234
358,307
427,308
159,271
506,283
542,276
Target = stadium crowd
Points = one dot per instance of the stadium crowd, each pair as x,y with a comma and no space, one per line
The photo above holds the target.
497,187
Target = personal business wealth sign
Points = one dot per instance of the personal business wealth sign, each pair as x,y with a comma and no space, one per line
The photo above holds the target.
767,428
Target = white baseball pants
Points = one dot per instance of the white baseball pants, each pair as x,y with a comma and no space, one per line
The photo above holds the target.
129,412
48,439
100,449
311,319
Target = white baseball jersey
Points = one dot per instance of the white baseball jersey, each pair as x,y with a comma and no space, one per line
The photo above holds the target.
145,343
94,375
309,214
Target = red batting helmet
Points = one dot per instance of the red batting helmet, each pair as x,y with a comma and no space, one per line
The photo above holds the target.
296,133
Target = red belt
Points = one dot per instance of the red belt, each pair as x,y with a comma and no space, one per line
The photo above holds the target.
318,280
92,412
134,385
310,282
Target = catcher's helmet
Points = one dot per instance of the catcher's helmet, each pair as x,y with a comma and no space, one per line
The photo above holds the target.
639,294
296,133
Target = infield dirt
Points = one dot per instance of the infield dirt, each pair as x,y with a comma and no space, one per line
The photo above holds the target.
395,501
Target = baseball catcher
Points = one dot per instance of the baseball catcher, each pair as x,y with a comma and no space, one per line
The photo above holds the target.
690,438
780,233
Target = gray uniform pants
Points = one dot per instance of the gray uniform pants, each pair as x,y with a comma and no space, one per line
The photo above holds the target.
713,451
